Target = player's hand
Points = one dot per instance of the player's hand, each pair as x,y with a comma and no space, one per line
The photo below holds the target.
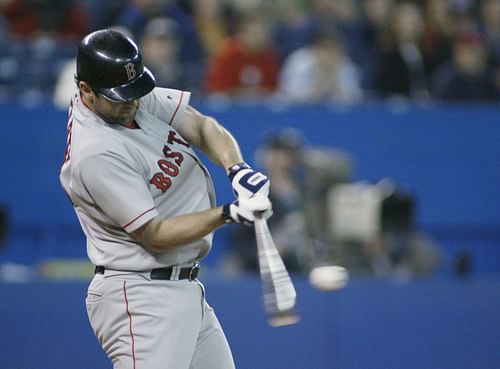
245,210
247,182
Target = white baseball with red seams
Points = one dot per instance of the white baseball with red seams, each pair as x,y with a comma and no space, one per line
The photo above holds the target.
158,173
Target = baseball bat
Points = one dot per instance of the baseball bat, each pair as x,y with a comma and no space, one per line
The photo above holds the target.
278,291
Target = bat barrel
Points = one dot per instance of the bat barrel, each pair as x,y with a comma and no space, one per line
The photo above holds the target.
278,291
284,318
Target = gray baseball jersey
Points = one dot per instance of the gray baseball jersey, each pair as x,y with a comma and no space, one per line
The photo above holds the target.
119,178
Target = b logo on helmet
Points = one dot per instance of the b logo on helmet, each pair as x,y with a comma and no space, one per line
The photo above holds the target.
131,73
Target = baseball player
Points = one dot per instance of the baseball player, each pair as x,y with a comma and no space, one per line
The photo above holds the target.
147,207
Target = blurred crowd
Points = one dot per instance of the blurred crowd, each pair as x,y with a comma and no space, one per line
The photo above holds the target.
296,51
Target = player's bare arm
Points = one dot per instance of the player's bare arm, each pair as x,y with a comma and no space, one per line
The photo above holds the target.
159,235
221,147
210,137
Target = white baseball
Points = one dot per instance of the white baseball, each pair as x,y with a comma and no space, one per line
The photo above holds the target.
329,278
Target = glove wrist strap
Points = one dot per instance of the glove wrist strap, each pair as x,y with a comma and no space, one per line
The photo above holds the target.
226,214
236,168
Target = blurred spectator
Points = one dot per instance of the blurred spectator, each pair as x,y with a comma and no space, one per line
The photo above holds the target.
211,24
438,34
279,156
247,65
103,13
464,7
468,75
41,35
293,27
191,52
160,52
300,178
490,20
375,15
400,67
9,65
321,72
137,13
346,17
56,18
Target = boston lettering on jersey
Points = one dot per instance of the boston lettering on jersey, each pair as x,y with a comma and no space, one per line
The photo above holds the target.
169,169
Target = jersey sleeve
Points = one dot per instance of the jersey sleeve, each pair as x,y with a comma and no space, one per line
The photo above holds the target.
118,189
167,104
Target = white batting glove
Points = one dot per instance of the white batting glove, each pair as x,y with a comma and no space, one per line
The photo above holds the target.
245,210
247,182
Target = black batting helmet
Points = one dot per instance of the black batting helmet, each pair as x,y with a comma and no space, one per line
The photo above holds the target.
111,64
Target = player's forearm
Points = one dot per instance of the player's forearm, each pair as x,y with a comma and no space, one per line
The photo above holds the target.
160,235
210,137
219,144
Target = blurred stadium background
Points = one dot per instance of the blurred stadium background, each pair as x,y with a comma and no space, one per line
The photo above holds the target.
440,146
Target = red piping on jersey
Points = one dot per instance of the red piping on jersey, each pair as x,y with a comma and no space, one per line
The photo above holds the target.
137,217
130,322
132,125
176,109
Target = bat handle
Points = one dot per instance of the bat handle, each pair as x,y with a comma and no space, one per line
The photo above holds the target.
260,223
259,216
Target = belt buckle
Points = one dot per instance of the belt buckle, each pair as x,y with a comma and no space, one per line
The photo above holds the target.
194,268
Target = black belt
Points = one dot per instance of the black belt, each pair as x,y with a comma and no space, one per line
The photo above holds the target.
168,273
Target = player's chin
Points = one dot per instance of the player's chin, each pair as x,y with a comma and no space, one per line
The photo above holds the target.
124,117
